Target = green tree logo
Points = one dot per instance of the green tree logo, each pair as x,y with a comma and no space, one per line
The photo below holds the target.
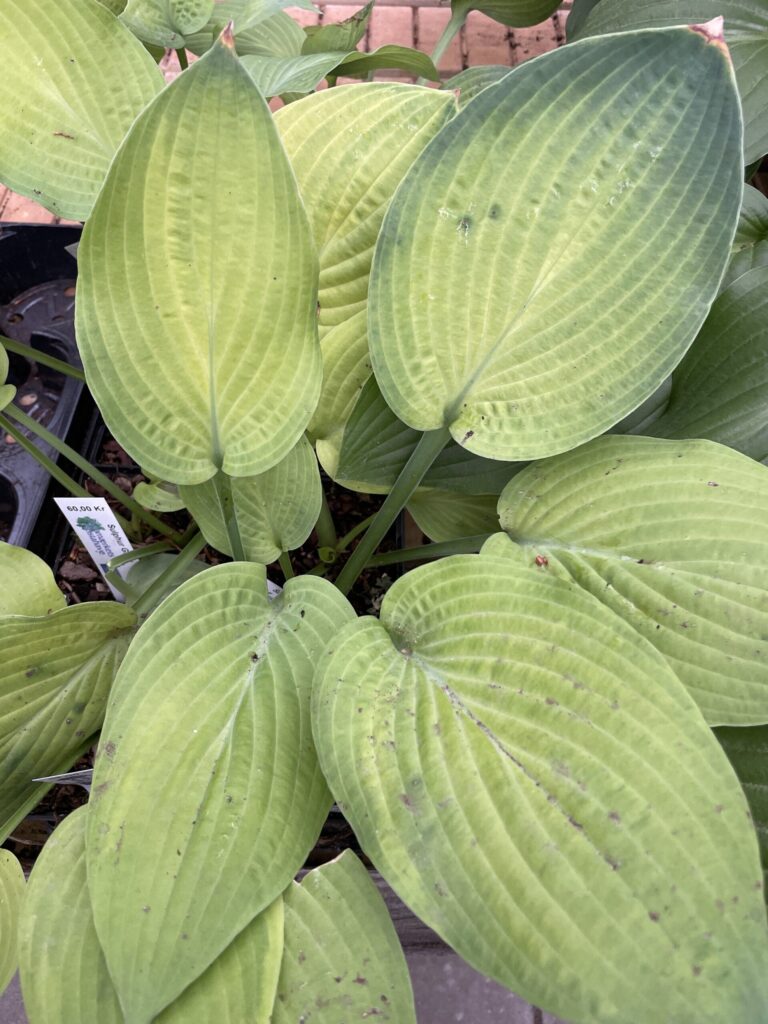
89,524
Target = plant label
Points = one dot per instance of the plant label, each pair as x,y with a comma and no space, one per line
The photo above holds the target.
99,532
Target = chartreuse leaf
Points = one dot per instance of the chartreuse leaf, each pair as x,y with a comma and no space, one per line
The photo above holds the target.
445,515
545,262
213,704
57,672
11,896
277,75
341,36
7,391
202,355
750,246
747,750
375,446
350,147
342,955
27,585
470,82
535,783
357,64
509,12
73,81
720,390
274,512
671,536
746,34
64,975
166,22
160,497
277,35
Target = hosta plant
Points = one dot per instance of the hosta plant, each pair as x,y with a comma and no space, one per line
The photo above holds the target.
533,315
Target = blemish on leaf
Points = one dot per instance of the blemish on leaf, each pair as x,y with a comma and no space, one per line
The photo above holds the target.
63,135
146,909
495,211
406,801
712,483
303,956
101,789
719,808
576,824
541,561
109,749
696,970
359,981
469,433
615,816
32,672
654,915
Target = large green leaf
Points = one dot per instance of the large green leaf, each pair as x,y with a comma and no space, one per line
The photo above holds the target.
350,147
301,74
535,783
73,81
547,260
63,972
746,33
750,246
341,36
208,737
277,36
199,345
671,536
57,672
342,955
720,390
166,22
27,585
747,750
276,75
519,13
274,512
11,896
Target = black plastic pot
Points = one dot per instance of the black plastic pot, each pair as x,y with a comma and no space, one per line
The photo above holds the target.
37,289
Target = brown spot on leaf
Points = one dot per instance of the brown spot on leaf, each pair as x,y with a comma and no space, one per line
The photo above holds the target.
712,483
614,816
696,970
654,915
63,135
359,981
109,749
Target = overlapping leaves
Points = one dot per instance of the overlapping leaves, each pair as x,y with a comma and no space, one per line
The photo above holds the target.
533,780
58,666
529,311
228,775
671,536
73,81
201,347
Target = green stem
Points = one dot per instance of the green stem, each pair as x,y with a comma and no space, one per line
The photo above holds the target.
58,474
424,454
131,556
286,565
454,26
347,539
227,511
99,478
325,527
183,62
155,590
20,349
463,546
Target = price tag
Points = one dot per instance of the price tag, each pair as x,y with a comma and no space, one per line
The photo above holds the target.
99,532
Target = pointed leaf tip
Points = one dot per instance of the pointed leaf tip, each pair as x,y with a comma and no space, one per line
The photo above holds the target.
713,33
227,37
